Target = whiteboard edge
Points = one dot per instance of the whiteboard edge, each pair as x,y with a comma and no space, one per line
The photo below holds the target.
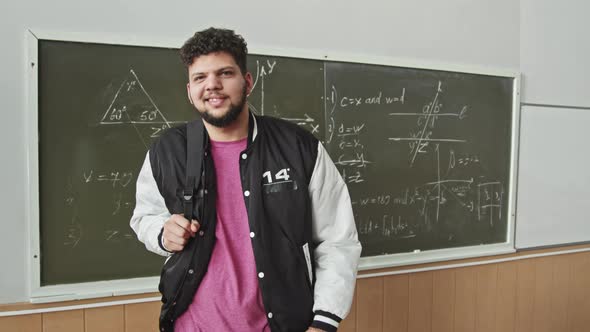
32,162
514,162
432,256
96,289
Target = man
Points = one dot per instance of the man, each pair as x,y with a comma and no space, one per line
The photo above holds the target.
261,237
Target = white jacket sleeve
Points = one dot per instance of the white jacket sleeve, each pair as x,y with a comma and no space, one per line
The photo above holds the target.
334,232
150,211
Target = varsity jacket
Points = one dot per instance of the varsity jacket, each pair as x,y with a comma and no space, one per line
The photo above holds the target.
300,216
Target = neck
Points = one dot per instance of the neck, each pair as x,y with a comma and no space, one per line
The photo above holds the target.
234,132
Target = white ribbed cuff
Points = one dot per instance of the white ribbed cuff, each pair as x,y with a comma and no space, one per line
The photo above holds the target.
326,320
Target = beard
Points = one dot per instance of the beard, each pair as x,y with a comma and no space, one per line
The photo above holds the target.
229,117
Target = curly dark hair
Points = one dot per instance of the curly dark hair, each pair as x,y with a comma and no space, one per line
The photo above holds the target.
215,40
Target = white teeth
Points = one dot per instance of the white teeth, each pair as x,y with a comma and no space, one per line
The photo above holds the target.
215,101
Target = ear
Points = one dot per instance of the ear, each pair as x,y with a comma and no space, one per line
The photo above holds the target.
188,92
249,83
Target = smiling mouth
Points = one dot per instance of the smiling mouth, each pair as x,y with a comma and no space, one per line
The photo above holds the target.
215,101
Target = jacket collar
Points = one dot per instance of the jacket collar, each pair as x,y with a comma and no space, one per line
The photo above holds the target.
252,128
202,131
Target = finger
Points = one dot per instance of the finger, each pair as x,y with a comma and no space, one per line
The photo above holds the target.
171,246
175,230
180,221
175,240
174,247
175,234
195,226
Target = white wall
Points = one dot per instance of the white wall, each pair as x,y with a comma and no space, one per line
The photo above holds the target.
554,186
480,33
553,182
555,48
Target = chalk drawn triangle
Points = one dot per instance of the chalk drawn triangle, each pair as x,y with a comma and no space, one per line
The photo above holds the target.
133,105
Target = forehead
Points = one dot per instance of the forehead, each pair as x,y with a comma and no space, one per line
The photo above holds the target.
212,62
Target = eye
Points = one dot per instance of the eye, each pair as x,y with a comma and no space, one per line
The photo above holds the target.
198,78
227,73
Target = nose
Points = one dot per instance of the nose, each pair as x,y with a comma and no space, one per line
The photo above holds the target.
213,83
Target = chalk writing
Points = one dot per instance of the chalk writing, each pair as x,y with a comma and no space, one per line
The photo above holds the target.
115,235
489,200
349,136
133,105
262,70
114,178
346,102
73,235
120,203
388,226
421,139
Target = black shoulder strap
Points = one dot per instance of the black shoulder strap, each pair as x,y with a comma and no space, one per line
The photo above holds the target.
194,164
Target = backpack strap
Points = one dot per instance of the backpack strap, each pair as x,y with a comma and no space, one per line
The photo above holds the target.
195,137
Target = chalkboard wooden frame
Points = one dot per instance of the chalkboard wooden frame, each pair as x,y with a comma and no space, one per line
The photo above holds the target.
65,292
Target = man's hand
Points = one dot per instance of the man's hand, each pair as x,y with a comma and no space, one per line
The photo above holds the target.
177,231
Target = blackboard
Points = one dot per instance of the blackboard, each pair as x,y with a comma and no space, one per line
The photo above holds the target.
426,153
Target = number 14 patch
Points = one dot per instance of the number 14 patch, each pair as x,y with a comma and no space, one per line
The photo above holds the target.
280,181
280,177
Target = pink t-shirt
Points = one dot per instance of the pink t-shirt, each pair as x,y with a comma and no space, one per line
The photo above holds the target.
228,298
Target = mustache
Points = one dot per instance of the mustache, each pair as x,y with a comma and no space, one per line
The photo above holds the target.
215,95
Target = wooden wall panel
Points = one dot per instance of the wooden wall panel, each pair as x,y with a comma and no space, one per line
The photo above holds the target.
506,297
525,295
395,305
579,300
486,293
560,291
110,319
465,293
543,282
24,323
443,301
64,321
420,301
349,323
142,317
539,294
369,312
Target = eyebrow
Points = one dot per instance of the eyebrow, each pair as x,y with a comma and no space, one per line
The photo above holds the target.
217,70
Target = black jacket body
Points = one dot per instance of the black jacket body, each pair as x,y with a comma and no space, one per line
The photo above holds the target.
275,171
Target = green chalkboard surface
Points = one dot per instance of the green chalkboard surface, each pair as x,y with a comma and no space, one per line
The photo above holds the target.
99,109
425,153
